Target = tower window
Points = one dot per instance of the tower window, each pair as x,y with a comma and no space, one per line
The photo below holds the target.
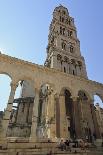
64,70
73,61
66,59
63,12
71,49
62,31
61,19
70,33
69,22
63,46
73,72
80,63
59,57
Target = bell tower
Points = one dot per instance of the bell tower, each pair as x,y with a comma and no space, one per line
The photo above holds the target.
63,50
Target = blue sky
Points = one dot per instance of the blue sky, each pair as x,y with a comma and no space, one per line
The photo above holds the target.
24,27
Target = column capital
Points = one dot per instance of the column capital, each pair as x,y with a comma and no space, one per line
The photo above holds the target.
56,95
37,89
74,98
91,101
13,85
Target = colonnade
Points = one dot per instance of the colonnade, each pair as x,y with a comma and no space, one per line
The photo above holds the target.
55,112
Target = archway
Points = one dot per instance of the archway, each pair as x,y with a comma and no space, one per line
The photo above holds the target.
21,116
98,100
65,115
5,88
69,113
97,110
85,116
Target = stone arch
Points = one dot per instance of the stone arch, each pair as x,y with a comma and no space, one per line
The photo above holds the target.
22,109
49,83
66,88
86,93
24,78
97,108
8,74
66,103
85,115
98,94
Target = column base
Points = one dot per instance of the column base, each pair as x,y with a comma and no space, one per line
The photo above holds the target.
98,142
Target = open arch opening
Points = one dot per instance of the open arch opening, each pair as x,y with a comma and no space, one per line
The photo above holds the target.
4,87
21,115
98,116
85,116
69,113
98,101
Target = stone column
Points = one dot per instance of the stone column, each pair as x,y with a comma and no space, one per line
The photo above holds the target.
81,115
76,120
63,120
57,115
8,111
52,116
95,121
33,135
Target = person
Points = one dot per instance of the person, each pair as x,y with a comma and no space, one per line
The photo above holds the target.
62,145
76,143
81,144
67,144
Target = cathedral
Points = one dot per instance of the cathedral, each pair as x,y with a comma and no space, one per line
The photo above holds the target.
57,99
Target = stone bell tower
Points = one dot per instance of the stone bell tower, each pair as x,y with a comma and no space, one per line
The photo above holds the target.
63,50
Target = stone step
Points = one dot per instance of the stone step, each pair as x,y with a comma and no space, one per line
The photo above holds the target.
31,145
32,152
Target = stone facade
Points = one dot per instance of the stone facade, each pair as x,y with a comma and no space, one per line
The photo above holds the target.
56,100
